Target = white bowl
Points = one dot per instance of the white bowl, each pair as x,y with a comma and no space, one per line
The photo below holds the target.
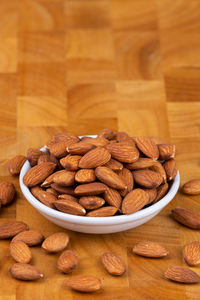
100,224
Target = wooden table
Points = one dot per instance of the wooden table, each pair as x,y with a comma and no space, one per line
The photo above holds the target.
80,66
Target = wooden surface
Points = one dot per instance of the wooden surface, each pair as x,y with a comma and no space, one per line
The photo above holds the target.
82,65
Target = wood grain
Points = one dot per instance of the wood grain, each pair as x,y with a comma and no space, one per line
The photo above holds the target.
80,66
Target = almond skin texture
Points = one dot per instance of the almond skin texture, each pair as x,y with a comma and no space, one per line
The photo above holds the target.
94,158
38,173
166,151
44,158
98,142
56,242
70,162
161,192
25,272
48,181
67,197
85,284
67,261
147,146
147,178
63,189
29,237
150,249
152,194
170,169
124,152
91,202
127,177
106,133
85,176
110,178
20,252
113,197
121,136
7,192
70,207
113,264
11,228
191,253
33,155
59,150
52,191
158,167
106,211
192,187
114,165
134,201
44,197
15,164
64,178
80,148
181,274
90,189
141,163
186,217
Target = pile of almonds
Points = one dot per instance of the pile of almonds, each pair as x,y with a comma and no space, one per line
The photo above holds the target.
103,176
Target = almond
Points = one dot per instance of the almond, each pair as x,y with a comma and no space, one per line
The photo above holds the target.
106,211
80,148
192,187
150,249
25,272
113,197
11,228
158,167
33,155
166,151
91,202
48,181
62,137
59,150
15,164
170,169
90,189
110,178
122,136
7,192
67,261
70,207
70,162
191,253
152,194
44,158
161,192
113,263
147,147
85,176
124,152
20,252
56,242
147,178
141,163
38,173
44,197
29,237
181,274
64,178
127,178
52,191
86,284
98,142
134,201
114,165
186,217
94,158
106,133
63,189
67,197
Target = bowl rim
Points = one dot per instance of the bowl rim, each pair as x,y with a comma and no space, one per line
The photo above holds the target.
97,220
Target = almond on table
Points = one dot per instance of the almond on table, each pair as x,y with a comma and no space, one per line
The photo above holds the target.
56,242
20,252
191,253
182,275
15,164
29,237
67,261
150,249
25,272
84,283
7,192
11,228
186,217
113,264
192,187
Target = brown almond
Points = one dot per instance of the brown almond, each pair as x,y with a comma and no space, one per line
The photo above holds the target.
124,152
91,202
52,191
141,163
67,261
127,177
121,136
152,194
44,158
44,197
170,169
64,178
62,137
32,155
150,249
48,181
67,197
191,253
106,133
70,207
166,151
106,211
98,141
113,263
25,272
158,167
113,197
147,178
110,178
15,164
63,189
11,228
134,201
186,217
181,274
38,173
70,162
90,189
7,192
29,237
147,147
161,192
20,252
192,187
86,284
114,165
56,242
59,149
85,176
80,148
94,158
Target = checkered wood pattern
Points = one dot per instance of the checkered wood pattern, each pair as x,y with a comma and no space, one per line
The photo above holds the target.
82,65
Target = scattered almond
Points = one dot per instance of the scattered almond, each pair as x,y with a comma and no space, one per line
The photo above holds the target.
15,164
191,253
86,284
113,264
181,274
56,242
186,217
7,192
20,252
67,261
11,228
29,237
150,249
25,272
192,187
